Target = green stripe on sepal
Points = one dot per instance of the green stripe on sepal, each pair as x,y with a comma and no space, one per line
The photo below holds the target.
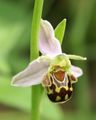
60,30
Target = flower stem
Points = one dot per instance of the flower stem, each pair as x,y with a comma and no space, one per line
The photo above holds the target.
34,53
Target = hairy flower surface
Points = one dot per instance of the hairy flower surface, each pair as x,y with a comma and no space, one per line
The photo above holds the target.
53,69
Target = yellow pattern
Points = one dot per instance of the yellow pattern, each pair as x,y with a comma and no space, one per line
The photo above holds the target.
66,96
71,89
50,91
58,98
59,88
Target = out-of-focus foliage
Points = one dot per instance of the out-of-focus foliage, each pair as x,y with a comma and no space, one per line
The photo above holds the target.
80,38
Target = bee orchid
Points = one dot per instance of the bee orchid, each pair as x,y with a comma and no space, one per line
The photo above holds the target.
53,69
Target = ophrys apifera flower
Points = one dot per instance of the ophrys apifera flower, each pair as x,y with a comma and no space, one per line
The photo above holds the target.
53,69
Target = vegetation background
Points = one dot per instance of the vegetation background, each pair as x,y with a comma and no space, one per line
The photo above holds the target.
80,38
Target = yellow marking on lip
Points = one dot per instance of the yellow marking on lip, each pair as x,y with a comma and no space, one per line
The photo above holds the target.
49,91
71,89
66,87
57,89
58,98
66,96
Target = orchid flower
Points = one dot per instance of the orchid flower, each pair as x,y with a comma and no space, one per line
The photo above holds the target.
53,69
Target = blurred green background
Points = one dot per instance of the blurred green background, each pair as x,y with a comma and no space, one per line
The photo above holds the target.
80,38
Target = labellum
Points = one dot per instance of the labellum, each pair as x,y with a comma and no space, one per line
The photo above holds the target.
58,85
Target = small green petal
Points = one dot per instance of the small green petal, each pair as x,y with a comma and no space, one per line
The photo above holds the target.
76,57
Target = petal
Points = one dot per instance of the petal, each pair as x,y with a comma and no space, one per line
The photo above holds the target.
33,74
76,71
76,57
48,44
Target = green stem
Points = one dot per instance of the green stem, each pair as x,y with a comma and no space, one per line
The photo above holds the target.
34,53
